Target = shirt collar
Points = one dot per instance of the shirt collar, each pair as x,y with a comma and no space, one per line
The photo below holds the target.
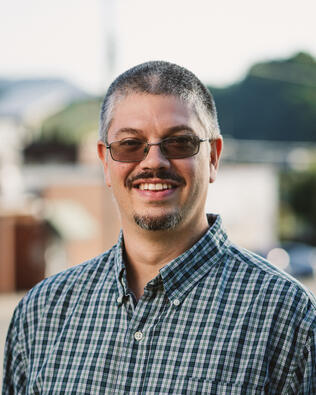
185,271
181,274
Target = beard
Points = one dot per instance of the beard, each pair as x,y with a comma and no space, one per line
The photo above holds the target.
163,222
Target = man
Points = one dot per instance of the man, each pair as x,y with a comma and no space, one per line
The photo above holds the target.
174,307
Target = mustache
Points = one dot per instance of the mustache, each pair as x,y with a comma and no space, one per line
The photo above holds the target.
162,174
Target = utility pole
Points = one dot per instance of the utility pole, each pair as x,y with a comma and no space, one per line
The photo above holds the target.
110,38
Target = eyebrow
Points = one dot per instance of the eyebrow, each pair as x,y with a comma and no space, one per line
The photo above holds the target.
180,128
127,130
169,131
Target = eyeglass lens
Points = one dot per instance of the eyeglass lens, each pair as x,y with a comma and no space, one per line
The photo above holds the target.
133,150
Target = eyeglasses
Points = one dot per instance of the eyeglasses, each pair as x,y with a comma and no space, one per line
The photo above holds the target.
135,150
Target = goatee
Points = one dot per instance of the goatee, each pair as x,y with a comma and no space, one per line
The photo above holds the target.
164,222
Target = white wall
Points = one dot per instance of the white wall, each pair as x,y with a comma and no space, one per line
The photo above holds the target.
246,196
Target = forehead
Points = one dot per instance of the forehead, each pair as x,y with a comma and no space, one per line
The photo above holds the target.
150,114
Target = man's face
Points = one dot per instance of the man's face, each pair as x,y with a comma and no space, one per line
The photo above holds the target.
159,193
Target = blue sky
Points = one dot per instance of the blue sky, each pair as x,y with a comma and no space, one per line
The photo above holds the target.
218,40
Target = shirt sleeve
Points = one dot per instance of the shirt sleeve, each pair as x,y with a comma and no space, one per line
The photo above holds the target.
14,373
302,381
309,378
304,377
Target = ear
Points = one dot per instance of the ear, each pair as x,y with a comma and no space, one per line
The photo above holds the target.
215,154
103,156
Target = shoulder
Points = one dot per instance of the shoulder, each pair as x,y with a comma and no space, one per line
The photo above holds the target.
264,279
65,287
278,307
43,313
275,310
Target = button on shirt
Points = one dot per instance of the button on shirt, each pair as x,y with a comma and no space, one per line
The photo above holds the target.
216,320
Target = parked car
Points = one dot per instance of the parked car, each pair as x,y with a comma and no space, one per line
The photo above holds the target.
297,259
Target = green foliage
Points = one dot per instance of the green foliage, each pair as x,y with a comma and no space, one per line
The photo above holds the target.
72,123
298,205
276,101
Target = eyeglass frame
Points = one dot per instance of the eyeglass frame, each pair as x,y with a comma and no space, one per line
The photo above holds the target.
148,145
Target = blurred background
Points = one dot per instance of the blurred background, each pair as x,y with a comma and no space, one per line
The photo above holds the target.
57,60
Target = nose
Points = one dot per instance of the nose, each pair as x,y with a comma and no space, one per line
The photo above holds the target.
155,158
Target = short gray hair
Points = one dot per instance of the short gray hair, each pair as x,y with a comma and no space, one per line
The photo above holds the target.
161,78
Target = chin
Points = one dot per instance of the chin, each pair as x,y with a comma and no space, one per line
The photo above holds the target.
162,222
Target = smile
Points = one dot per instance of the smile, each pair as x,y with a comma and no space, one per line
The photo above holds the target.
154,187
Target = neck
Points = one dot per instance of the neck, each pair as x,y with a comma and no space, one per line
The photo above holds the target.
148,251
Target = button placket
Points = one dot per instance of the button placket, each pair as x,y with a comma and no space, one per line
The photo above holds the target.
176,302
144,315
138,335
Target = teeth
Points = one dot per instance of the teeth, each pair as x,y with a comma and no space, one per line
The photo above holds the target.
154,187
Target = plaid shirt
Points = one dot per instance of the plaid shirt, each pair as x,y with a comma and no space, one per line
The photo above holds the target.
216,320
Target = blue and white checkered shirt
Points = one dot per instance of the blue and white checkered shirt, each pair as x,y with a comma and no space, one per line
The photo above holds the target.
216,320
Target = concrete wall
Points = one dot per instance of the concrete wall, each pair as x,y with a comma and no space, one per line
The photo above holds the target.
246,196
